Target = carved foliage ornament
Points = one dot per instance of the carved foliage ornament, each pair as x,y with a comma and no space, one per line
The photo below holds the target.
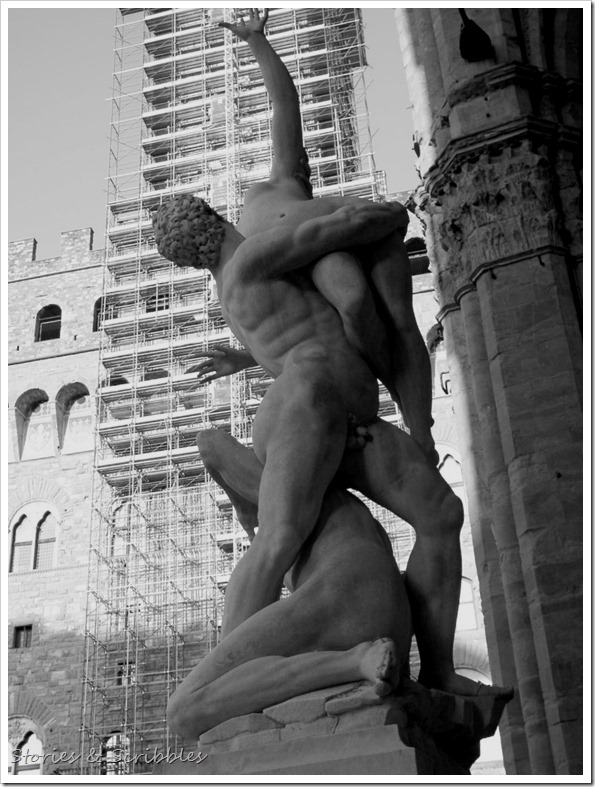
497,206
17,729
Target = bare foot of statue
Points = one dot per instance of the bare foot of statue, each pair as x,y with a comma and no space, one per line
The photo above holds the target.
379,664
465,687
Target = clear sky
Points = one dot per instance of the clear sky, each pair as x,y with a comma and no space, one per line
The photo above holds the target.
59,83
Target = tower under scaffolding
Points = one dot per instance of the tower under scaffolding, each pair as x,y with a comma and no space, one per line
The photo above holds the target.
190,115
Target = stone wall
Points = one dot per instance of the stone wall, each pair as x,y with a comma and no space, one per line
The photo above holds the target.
499,149
51,464
72,281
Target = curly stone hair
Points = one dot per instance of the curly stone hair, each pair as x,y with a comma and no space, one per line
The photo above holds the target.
188,231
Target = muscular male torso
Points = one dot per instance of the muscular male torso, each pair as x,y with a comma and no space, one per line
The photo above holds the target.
284,320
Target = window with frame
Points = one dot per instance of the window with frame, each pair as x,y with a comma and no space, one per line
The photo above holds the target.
28,756
116,755
22,545
158,302
33,539
45,542
98,316
23,636
49,323
126,675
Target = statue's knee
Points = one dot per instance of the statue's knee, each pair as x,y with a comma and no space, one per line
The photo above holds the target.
210,443
188,720
176,720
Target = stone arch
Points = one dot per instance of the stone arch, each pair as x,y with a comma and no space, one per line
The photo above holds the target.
26,403
470,655
43,490
65,398
23,703
446,434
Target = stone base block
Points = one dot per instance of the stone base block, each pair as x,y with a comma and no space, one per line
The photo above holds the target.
348,730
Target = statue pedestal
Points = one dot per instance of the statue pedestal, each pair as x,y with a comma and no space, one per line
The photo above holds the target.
349,730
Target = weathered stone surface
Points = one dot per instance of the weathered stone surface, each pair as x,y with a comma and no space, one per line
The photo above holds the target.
361,697
497,142
244,741
306,707
372,716
375,751
417,731
240,725
324,726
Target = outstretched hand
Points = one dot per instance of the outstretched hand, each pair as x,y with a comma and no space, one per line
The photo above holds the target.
220,363
255,24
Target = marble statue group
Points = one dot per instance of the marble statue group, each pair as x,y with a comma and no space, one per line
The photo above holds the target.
318,291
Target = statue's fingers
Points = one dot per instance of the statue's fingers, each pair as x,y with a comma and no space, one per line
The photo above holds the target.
208,353
265,14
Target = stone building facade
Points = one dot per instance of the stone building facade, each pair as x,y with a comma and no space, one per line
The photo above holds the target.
52,383
53,349
498,136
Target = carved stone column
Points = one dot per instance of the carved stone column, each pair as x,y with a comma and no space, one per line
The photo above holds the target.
499,155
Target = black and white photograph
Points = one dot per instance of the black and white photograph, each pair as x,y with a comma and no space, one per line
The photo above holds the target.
294,347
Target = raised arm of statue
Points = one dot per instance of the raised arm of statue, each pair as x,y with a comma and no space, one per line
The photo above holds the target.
280,250
288,143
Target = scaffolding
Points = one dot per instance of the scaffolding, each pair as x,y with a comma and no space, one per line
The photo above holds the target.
190,115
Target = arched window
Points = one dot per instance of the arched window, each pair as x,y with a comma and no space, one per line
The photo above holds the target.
45,542
98,315
116,755
33,538
48,323
23,535
28,755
